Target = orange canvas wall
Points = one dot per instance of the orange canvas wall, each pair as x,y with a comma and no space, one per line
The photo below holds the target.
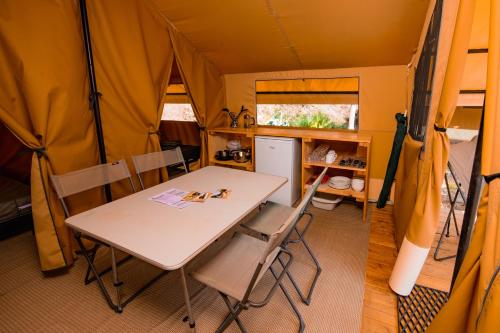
382,94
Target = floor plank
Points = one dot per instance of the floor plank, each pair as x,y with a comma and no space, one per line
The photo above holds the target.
380,303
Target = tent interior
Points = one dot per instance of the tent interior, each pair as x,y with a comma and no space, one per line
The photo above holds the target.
191,143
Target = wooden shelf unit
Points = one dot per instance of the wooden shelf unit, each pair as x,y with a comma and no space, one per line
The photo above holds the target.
218,139
356,148
345,143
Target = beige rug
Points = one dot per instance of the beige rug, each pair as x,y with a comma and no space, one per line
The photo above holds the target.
31,302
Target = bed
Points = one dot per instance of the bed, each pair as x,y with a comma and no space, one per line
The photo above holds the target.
15,206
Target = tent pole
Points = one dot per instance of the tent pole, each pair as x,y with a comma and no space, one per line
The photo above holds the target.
94,94
471,205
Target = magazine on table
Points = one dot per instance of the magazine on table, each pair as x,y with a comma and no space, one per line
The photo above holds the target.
181,199
194,196
172,197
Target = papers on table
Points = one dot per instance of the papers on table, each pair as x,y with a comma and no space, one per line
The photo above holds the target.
182,199
172,197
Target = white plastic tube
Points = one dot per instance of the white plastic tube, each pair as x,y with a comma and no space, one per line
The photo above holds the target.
411,259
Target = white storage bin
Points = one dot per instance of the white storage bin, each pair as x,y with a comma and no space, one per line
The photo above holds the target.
324,202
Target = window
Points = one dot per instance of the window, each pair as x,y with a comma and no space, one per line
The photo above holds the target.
422,91
177,104
308,103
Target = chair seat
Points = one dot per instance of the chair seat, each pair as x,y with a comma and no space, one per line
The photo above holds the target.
270,218
231,270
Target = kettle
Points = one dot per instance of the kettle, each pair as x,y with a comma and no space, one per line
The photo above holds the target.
248,121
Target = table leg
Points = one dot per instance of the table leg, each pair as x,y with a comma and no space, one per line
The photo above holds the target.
187,300
116,282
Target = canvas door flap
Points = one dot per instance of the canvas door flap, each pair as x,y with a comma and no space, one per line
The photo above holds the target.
133,59
422,222
474,303
490,163
475,298
406,185
204,85
480,26
44,102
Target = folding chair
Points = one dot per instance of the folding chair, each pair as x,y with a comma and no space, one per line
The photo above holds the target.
272,216
460,164
82,180
157,160
239,267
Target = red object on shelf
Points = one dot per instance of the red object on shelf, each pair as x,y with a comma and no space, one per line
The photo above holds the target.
311,180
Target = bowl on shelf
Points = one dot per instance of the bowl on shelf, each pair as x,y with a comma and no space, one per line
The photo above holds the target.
357,184
248,153
223,155
240,156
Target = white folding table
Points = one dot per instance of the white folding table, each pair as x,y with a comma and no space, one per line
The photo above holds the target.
168,237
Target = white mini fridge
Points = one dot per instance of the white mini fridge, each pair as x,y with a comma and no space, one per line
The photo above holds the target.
280,157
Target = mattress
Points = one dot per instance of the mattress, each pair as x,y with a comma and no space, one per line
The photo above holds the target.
15,199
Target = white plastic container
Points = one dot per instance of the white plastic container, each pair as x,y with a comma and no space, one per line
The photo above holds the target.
324,203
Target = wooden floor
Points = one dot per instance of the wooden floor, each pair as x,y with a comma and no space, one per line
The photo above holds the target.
380,304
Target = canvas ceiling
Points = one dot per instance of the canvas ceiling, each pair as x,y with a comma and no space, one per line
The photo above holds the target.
275,35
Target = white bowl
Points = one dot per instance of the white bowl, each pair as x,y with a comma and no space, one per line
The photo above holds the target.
358,187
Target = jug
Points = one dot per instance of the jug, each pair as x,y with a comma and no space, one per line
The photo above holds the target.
248,121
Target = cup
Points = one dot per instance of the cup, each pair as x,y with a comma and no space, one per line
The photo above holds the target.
330,157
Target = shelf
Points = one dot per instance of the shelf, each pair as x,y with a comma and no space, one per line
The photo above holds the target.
307,134
324,188
334,165
247,165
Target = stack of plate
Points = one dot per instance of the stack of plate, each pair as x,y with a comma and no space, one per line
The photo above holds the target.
339,183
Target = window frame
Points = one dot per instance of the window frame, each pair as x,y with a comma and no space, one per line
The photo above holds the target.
424,78
357,121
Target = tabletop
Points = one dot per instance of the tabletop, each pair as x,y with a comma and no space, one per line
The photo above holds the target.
168,237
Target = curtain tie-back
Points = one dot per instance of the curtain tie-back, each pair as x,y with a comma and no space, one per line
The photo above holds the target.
492,177
40,151
151,132
439,129
203,128
94,96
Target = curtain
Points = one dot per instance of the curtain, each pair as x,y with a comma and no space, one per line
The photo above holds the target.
44,103
474,305
203,83
423,204
133,59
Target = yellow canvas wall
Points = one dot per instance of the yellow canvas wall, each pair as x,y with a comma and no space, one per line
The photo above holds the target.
382,94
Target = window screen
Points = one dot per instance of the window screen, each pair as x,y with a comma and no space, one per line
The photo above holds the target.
177,104
309,103
422,91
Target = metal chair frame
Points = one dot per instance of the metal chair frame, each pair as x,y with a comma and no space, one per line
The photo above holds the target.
306,297
90,257
275,241
165,155
246,303
451,214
